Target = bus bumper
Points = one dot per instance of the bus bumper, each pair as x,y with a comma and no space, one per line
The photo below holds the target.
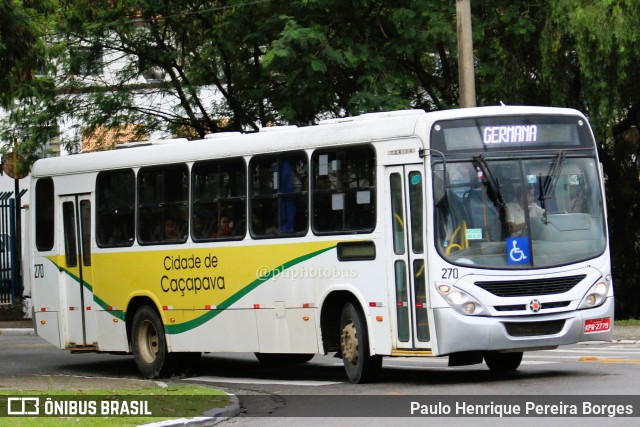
456,332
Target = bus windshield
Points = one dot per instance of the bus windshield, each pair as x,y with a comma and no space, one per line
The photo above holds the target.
549,209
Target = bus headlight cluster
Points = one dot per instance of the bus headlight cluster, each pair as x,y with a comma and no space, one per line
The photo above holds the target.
597,294
460,301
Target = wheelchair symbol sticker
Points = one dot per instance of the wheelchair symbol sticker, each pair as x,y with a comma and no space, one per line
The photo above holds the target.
518,250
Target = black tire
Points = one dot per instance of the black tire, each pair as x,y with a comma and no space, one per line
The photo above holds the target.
283,358
359,365
149,343
503,362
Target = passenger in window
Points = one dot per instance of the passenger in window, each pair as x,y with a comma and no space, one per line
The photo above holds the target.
257,226
515,210
117,236
172,229
225,226
201,227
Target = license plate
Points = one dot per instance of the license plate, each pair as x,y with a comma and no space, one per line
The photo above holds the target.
597,325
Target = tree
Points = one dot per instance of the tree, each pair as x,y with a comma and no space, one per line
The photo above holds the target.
353,57
22,56
591,57
21,47
509,64
206,66
268,62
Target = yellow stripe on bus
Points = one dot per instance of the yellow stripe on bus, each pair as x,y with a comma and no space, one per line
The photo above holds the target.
187,278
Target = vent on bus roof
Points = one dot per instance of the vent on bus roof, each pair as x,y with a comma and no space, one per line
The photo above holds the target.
372,116
336,120
132,145
385,114
221,135
519,288
277,128
147,143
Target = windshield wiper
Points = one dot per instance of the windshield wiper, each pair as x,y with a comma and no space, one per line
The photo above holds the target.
494,186
551,179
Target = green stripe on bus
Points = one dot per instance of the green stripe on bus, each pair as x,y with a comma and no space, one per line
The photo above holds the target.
73,276
194,323
186,326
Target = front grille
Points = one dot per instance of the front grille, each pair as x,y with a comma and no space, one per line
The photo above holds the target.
523,307
534,329
556,304
531,287
515,307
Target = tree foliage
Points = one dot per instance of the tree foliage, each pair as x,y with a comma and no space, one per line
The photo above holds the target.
21,47
294,62
591,56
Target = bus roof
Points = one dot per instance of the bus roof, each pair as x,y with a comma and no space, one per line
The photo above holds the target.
349,130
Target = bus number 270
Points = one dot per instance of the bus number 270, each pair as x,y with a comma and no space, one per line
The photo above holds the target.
449,273
38,270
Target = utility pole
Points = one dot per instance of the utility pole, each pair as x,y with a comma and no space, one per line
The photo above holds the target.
466,77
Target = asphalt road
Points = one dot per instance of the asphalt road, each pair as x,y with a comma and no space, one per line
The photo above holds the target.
271,396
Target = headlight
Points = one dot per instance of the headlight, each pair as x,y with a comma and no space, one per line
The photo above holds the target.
460,301
596,295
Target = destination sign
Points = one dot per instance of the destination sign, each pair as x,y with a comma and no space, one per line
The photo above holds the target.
505,133
510,134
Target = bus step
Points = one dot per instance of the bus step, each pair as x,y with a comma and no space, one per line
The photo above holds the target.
82,348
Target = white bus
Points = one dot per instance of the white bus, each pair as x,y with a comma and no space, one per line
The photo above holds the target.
476,234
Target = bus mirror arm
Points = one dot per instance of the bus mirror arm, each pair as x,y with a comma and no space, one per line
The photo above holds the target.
439,192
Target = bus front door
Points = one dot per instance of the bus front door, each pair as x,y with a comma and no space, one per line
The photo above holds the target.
407,222
77,304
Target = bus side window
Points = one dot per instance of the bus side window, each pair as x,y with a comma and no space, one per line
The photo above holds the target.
344,190
218,197
279,194
115,199
163,197
45,214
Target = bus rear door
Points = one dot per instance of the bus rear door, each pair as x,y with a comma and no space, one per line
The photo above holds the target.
77,293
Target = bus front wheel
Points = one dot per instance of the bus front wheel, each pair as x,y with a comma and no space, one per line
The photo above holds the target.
149,343
359,364
503,362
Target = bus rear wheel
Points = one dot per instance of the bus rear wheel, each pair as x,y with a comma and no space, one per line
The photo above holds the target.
149,343
359,364
503,362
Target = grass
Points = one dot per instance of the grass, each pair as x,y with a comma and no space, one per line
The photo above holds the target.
196,401
628,322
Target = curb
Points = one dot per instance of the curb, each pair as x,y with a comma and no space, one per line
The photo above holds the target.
17,331
209,418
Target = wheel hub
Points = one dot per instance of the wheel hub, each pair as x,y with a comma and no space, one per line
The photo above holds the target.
148,342
350,343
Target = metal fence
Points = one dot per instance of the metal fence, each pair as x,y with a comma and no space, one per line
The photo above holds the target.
10,283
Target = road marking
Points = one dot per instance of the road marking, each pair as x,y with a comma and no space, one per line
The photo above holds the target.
596,350
594,359
263,381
